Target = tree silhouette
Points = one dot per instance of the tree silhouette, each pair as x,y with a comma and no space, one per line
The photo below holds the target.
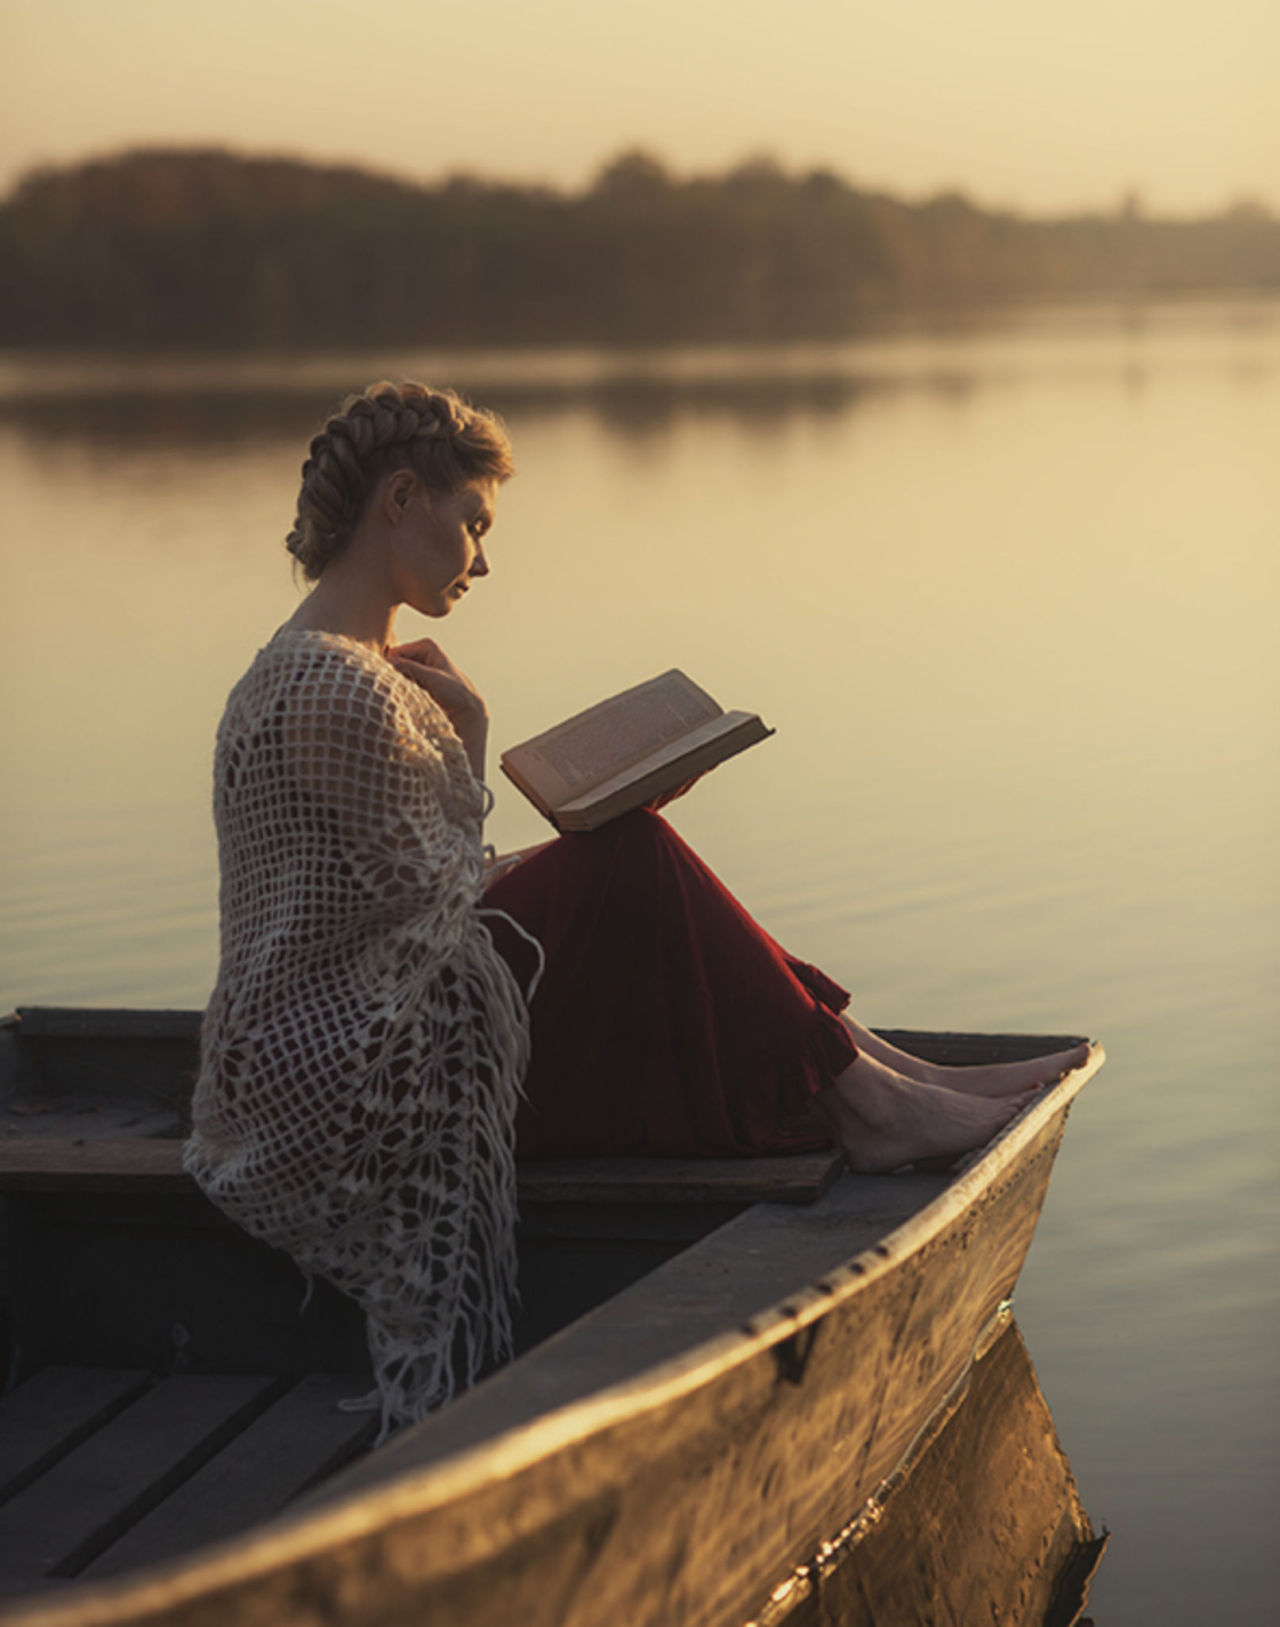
161,249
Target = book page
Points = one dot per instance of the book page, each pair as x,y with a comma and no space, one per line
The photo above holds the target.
701,747
611,736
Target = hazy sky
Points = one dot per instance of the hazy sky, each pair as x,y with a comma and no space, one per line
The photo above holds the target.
1041,104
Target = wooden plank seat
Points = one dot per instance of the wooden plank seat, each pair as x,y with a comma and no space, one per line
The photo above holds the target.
54,1163
94,1100
114,1253
103,1471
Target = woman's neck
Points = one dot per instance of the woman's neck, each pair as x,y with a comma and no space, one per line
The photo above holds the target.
347,602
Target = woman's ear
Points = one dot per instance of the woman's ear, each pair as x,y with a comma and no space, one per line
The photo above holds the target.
397,493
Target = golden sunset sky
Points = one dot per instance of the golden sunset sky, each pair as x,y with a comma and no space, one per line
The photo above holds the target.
1042,105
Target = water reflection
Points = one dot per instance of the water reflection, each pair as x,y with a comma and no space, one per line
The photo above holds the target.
226,400
630,404
984,1525
134,420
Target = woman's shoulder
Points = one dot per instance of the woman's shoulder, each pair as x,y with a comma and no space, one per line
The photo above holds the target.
298,671
308,670
303,659
308,647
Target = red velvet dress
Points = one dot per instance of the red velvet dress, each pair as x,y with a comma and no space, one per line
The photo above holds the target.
667,1022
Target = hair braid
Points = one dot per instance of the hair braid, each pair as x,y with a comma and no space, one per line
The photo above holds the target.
442,438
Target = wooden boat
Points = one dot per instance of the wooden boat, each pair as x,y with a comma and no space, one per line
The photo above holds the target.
725,1365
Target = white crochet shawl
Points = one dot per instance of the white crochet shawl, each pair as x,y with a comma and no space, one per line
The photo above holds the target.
363,1048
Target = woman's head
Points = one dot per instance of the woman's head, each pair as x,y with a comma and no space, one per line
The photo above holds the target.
444,441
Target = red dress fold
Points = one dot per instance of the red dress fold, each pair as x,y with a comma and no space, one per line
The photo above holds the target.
667,1022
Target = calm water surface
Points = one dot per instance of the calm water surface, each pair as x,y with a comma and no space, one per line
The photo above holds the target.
1010,598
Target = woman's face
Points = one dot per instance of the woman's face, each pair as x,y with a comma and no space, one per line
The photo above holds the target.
440,545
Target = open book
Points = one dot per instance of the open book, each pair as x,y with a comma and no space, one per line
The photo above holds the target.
627,750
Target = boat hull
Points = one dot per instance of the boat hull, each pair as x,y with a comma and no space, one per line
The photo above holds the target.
986,1524
689,1484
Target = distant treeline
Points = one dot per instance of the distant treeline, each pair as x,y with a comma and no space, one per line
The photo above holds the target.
203,250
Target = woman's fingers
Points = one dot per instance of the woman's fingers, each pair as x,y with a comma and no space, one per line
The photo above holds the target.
425,651
425,677
449,689
433,679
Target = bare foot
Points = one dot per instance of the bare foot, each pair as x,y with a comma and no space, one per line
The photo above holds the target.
883,1120
1009,1078
995,1079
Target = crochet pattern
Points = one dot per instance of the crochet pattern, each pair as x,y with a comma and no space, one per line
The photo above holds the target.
363,1048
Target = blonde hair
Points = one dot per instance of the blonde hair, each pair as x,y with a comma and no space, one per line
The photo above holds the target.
445,441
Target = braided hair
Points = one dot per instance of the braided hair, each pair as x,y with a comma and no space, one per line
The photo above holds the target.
442,438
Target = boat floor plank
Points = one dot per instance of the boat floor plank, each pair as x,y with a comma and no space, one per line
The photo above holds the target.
299,1440
713,1287
57,1408
94,1493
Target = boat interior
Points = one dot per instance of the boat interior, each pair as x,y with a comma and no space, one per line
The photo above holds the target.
169,1382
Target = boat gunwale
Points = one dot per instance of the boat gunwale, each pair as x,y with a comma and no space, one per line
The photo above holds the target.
410,1492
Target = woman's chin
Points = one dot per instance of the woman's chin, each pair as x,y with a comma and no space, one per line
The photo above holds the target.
437,603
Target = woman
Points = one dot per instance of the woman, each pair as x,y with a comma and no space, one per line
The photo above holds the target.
367,1041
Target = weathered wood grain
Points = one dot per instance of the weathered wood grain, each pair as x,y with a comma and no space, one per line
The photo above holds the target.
800,1178
298,1440
52,1163
97,1490
986,1526
714,1288
70,1118
43,1419
63,1164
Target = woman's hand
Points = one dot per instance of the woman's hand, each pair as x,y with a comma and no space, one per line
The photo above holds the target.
426,664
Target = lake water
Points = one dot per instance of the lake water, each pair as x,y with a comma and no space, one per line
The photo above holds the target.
1011,598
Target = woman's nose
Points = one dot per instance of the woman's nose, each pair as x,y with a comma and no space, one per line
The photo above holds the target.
479,565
